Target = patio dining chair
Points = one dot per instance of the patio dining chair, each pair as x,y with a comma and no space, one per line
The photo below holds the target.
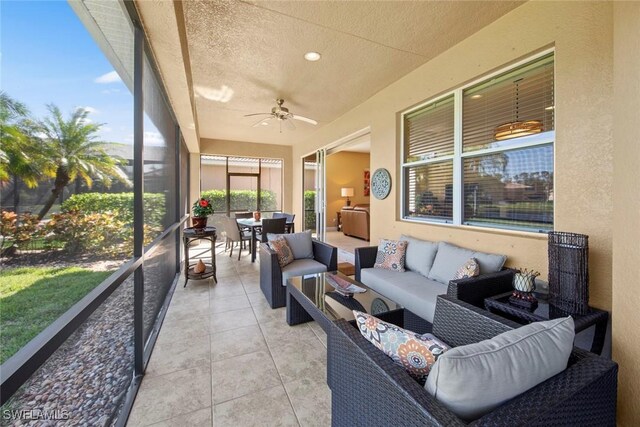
234,234
274,226
289,228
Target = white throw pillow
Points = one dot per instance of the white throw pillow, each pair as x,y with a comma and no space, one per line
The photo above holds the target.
474,379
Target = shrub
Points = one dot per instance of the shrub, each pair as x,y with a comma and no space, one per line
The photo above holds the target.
118,204
310,210
241,199
18,231
95,233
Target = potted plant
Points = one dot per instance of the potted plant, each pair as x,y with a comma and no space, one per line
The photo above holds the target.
200,211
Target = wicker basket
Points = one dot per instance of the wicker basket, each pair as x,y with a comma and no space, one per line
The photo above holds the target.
569,271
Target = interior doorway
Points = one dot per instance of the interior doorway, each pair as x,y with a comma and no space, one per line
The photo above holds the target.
336,182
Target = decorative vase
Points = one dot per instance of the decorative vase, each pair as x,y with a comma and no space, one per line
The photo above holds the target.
199,221
256,215
200,267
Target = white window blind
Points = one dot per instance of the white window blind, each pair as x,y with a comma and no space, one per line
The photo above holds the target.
428,132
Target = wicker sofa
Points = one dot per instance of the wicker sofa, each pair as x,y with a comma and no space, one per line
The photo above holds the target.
369,389
273,278
417,292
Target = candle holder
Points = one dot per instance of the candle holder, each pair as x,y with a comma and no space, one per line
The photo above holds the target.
523,286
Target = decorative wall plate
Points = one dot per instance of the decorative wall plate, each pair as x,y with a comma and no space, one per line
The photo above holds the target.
379,306
381,183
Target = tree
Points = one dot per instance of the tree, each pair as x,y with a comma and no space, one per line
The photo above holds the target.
20,158
72,151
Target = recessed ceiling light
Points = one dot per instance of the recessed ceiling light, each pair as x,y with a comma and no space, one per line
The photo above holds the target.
476,96
550,107
312,56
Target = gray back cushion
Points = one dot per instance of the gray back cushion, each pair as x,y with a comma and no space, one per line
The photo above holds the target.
450,258
300,243
420,254
474,379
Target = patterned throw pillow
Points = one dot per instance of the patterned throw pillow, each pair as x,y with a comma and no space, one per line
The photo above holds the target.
391,255
283,251
414,352
471,268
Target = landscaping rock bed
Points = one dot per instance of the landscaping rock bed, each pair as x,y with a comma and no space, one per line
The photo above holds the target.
86,379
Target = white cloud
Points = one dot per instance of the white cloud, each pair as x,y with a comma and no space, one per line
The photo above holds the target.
110,77
109,91
89,109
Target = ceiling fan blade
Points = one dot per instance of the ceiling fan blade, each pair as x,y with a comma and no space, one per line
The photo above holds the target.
257,114
288,123
304,119
261,121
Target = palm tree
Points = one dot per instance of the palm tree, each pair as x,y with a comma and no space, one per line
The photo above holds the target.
72,151
20,159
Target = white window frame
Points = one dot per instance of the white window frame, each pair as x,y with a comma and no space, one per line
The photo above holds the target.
458,156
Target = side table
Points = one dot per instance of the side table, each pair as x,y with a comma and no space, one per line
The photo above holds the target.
499,304
189,235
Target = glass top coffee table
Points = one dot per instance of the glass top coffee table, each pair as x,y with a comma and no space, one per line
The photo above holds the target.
313,297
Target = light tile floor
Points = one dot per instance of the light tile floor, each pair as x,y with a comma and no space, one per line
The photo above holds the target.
225,358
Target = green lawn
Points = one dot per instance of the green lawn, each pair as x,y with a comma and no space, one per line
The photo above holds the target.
31,298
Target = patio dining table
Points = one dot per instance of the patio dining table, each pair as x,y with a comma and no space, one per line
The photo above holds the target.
253,225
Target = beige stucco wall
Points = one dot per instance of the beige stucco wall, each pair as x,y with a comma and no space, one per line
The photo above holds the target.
626,210
250,149
345,169
582,35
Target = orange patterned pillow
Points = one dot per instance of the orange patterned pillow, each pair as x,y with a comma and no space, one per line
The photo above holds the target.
283,251
471,268
391,255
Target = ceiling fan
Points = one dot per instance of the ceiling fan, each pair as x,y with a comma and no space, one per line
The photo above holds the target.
282,115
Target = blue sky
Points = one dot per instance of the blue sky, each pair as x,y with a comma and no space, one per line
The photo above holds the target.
49,57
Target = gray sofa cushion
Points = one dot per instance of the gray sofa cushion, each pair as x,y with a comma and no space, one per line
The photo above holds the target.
420,254
300,267
450,258
474,379
300,243
409,289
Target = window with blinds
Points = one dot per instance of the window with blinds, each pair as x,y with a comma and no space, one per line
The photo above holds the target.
428,132
518,103
495,167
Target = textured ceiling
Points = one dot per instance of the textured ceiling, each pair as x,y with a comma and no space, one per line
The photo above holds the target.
244,55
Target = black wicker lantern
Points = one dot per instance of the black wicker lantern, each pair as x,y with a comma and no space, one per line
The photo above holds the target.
569,272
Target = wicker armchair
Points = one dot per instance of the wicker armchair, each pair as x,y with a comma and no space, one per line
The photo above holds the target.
271,274
472,290
369,389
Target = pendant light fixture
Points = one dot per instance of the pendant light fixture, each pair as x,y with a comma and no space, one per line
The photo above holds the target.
517,128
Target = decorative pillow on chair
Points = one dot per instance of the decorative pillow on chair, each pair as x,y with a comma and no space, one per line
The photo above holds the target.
471,268
414,352
391,255
283,251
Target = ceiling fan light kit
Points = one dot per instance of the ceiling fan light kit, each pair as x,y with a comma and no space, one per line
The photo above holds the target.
282,115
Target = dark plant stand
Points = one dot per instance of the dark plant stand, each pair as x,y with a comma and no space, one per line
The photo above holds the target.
500,305
189,235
